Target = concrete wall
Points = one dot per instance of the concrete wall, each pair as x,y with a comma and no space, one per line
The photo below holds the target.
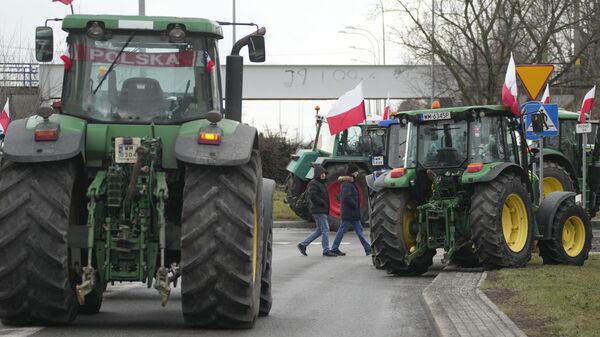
23,101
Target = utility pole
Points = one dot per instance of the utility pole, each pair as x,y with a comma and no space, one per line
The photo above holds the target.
142,7
233,23
382,30
432,51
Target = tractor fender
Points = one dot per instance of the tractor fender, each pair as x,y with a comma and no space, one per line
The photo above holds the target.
20,145
237,142
547,210
496,170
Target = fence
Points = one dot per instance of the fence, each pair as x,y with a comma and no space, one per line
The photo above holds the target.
19,75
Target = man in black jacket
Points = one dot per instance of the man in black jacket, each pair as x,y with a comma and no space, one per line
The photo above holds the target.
318,204
350,211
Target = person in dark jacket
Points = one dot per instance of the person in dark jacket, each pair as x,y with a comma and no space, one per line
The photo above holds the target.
350,211
318,204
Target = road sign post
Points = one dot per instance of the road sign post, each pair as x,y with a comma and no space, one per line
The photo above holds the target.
584,129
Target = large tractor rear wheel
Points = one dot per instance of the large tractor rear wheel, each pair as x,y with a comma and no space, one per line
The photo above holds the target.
222,245
294,187
501,225
36,207
334,189
556,178
571,238
266,299
393,240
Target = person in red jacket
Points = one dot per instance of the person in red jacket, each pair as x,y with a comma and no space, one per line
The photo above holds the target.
350,211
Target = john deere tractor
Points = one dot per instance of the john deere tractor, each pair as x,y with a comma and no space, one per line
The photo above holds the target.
461,182
363,145
136,176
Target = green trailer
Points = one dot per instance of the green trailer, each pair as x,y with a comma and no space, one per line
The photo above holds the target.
137,174
363,145
462,183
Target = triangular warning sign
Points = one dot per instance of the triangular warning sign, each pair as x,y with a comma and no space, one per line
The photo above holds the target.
548,123
533,77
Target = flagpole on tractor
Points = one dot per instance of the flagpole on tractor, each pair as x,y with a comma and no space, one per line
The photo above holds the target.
583,168
72,12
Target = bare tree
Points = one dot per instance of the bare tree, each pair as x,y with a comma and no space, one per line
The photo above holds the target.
473,39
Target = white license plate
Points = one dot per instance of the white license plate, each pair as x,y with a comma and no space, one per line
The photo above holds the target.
377,161
435,116
125,153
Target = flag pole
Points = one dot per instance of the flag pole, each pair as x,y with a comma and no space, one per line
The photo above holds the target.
72,12
583,169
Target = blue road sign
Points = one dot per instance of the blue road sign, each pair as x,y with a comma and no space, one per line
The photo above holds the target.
550,119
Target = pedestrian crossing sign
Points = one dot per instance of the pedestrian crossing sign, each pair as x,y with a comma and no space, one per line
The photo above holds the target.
549,116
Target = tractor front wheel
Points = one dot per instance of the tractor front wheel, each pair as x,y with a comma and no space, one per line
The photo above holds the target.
36,208
392,235
501,223
571,238
556,178
222,245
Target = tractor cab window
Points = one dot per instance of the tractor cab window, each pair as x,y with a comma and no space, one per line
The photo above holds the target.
349,142
443,144
141,78
397,135
377,136
487,140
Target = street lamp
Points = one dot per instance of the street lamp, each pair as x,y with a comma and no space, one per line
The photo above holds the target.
367,50
363,35
370,34
359,61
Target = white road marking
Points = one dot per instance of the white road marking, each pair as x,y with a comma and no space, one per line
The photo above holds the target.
19,332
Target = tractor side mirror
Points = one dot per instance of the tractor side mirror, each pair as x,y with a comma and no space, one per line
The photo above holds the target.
44,44
364,144
256,48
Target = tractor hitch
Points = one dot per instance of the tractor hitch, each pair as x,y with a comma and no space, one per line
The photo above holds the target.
88,284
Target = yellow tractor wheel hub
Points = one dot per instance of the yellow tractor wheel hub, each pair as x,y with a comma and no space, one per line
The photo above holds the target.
515,224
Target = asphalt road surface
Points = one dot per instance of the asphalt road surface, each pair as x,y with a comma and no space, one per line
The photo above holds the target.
313,296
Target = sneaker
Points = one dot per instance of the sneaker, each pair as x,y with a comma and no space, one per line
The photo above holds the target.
368,252
302,249
329,253
338,252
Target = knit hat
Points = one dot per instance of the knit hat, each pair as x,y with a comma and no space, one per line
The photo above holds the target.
351,168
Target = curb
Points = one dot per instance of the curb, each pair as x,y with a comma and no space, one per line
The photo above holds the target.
596,224
456,307
292,224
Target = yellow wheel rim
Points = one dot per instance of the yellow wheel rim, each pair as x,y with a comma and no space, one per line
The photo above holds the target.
409,216
552,184
573,236
515,224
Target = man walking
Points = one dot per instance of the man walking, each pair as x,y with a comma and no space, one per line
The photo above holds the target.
318,204
350,211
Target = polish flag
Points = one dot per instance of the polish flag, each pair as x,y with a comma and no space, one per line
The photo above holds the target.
386,109
4,119
66,2
347,111
546,96
210,64
587,105
510,92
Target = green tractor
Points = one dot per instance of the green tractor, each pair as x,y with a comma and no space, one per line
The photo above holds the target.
135,176
562,161
362,144
461,182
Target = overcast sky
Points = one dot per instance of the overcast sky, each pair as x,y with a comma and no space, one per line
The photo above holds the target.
298,32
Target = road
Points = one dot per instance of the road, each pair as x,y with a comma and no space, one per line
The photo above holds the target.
313,296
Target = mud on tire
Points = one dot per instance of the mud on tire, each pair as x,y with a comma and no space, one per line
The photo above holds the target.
486,222
221,245
35,211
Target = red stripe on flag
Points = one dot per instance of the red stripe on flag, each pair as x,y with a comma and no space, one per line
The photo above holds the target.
341,122
509,100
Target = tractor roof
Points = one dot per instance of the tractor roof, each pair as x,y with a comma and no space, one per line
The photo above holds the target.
150,23
457,110
566,114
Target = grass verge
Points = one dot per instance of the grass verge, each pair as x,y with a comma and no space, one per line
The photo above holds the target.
281,210
549,300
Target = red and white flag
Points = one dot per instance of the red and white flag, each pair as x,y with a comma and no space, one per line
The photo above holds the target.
4,119
546,96
347,111
210,64
66,2
587,105
510,91
386,109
